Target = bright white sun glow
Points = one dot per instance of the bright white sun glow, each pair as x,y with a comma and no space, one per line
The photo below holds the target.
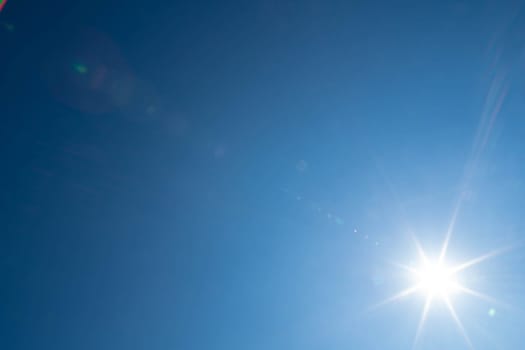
438,281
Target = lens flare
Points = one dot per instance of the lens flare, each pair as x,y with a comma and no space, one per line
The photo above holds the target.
2,4
438,282
80,68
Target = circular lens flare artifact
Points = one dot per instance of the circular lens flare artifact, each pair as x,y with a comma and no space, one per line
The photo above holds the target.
90,74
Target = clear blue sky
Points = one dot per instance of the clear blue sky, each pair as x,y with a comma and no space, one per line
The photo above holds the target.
242,174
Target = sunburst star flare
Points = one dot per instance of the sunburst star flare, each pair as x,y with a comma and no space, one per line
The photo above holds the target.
439,281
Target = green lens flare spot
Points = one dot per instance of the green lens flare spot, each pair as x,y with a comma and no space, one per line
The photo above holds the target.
492,312
9,27
80,68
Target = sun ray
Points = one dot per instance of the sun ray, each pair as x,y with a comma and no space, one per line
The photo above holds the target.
482,296
420,250
424,314
458,322
398,296
450,228
404,267
479,259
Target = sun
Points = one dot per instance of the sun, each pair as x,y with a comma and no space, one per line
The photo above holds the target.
436,280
